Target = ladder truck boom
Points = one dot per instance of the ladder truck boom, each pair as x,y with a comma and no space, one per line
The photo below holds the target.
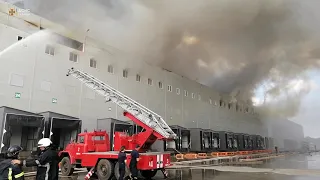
140,113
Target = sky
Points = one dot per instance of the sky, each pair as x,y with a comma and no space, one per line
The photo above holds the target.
308,115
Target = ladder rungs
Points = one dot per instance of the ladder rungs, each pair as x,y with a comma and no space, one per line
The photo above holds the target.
145,115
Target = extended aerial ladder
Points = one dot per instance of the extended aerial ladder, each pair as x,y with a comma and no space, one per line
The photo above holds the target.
138,113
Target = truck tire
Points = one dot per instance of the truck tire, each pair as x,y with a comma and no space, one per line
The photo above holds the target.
104,169
66,166
148,174
116,171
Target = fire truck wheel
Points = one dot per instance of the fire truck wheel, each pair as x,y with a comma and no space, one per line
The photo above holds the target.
116,171
104,169
148,173
66,167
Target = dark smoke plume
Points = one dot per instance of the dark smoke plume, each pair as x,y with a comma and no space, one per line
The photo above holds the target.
228,45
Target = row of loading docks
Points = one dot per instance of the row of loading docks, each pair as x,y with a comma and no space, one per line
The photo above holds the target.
25,128
205,140
194,139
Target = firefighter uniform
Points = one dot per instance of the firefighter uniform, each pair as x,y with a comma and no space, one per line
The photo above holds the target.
47,165
47,162
8,170
134,162
122,163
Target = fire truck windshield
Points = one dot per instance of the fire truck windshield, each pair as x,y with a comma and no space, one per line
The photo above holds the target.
80,139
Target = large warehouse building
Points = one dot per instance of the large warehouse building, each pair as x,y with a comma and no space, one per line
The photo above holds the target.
33,84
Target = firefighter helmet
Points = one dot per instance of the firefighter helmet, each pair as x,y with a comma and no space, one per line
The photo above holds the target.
44,142
13,151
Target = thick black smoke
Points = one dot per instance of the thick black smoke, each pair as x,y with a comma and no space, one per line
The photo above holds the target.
226,44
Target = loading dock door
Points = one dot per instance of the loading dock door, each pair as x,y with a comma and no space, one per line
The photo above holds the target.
21,129
62,131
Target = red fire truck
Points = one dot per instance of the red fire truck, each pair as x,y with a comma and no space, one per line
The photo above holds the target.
92,149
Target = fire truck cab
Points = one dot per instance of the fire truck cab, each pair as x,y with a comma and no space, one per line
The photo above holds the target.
97,141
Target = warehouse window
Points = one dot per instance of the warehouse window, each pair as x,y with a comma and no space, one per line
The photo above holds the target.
49,50
178,91
138,78
160,85
125,73
186,93
192,95
73,57
150,81
169,88
93,63
110,69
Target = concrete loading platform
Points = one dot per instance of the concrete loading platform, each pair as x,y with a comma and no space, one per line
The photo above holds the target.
216,160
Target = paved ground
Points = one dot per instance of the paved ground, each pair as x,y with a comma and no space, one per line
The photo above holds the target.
298,167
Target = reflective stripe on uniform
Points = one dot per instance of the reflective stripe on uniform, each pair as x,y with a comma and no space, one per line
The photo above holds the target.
19,175
47,171
10,174
47,166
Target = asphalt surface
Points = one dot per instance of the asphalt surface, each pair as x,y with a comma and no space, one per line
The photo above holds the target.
297,167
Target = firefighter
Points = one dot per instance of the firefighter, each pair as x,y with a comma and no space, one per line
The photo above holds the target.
134,162
276,149
47,162
9,170
122,159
